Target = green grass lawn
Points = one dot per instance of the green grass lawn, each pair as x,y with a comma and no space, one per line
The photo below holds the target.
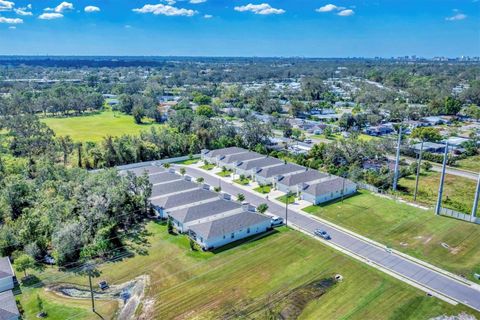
242,182
239,282
408,229
291,199
470,163
263,189
225,173
188,162
457,195
96,126
208,166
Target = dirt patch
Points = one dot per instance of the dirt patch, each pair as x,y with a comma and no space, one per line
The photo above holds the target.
129,294
461,316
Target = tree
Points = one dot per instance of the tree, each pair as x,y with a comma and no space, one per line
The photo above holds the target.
166,165
426,134
66,145
138,112
183,171
201,99
427,166
126,103
452,106
240,197
169,225
23,263
193,244
200,179
262,208
254,132
217,189
205,110
473,111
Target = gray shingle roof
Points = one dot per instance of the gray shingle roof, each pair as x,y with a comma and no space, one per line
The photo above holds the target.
302,177
204,210
148,169
5,268
245,156
335,184
225,226
164,177
225,151
184,198
171,187
281,169
260,163
8,306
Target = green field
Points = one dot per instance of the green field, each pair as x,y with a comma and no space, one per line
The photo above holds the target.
408,229
241,281
263,189
291,199
224,173
457,195
94,127
470,163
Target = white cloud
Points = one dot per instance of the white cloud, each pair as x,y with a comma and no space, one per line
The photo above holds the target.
6,5
197,1
92,9
263,8
457,17
346,13
50,16
12,27
23,11
63,6
329,7
10,20
166,10
208,16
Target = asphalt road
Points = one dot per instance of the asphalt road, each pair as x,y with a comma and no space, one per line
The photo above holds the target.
425,277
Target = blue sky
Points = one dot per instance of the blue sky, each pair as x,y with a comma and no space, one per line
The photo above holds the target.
310,28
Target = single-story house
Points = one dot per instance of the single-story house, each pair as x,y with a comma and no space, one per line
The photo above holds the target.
148,169
268,175
435,120
248,168
232,160
212,156
163,177
8,306
6,274
296,182
378,130
185,217
165,204
455,143
328,190
171,188
429,147
219,232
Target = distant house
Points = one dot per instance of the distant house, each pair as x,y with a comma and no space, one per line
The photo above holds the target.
164,204
232,160
219,232
377,165
378,130
435,120
296,182
6,275
328,190
113,102
249,168
8,306
431,147
455,143
213,156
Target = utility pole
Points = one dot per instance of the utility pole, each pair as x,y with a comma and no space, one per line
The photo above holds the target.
397,160
418,173
442,180
475,201
343,186
91,288
289,193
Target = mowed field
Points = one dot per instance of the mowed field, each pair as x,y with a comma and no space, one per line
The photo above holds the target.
245,281
458,192
470,163
414,231
96,126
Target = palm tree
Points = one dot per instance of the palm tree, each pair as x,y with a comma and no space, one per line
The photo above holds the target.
182,171
240,197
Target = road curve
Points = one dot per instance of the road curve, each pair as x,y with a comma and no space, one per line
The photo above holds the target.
375,255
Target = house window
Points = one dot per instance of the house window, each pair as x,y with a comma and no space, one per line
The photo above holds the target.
232,235
248,230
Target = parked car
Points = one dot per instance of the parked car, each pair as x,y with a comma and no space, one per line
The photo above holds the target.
103,285
323,234
309,141
277,221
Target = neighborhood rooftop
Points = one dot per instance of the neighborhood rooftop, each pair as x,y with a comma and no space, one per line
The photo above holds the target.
204,210
302,177
280,169
245,156
226,225
8,306
335,184
225,151
5,268
172,187
184,198
164,177
149,169
260,163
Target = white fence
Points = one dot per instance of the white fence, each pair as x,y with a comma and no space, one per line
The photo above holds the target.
458,215
368,187
154,162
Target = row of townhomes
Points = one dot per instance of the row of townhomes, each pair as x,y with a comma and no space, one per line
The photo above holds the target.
8,304
211,219
308,184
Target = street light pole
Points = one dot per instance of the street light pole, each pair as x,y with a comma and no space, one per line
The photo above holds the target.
397,160
91,290
418,173
286,207
442,180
